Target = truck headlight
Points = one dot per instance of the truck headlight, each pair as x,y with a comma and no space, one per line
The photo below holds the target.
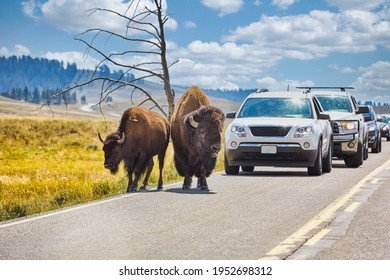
371,128
348,126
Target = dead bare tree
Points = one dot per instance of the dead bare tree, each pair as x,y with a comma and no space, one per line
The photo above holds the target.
143,36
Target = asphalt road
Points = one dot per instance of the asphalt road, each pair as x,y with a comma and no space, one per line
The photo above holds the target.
248,216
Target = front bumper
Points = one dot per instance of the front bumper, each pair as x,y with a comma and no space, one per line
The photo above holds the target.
345,144
372,137
286,155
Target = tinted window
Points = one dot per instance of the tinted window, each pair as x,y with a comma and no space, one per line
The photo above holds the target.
335,103
276,108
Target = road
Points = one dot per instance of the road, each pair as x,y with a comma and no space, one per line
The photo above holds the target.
272,213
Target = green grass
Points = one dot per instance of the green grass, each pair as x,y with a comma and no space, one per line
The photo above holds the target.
48,164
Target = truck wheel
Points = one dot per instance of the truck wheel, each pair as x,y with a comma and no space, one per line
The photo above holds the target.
355,160
230,170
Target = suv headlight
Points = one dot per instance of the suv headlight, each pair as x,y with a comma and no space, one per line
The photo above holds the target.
371,128
303,131
238,130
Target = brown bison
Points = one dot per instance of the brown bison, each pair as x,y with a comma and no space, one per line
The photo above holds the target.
141,135
196,129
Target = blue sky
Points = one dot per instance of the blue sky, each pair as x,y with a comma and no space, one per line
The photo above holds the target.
228,43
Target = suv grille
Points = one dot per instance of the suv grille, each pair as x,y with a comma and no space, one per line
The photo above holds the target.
270,130
335,127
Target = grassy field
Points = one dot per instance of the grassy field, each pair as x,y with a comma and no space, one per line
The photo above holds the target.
46,164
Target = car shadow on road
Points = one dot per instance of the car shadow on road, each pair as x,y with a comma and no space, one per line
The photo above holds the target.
270,174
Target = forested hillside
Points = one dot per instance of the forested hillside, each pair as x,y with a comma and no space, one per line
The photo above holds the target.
36,79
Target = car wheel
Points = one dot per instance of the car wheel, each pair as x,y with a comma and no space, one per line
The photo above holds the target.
355,160
327,161
376,148
365,153
316,170
248,168
230,170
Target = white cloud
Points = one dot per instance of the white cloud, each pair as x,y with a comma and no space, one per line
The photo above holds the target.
275,85
190,24
317,34
375,78
224,6
283,4
75,15
356,4
82,61
18,50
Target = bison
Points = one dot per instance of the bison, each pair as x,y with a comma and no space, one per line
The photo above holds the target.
141,135
196,129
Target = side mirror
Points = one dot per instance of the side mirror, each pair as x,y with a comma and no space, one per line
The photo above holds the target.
323,116
231,115
363,110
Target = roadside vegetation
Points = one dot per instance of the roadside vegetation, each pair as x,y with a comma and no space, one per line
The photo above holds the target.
47,164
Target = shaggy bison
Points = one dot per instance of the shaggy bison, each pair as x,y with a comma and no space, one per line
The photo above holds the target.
196,129
141,135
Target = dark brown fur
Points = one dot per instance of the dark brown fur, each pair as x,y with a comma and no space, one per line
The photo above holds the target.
196,148
146,135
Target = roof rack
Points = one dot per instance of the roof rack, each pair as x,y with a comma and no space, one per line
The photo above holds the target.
310,88
262,90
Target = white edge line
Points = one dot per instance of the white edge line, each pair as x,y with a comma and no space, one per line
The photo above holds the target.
71,208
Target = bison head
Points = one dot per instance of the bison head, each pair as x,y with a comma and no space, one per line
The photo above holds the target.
204,129
112,150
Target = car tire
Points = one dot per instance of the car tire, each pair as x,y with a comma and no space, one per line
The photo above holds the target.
355,160
327,161
376,148
230,170
247,168
316,170
365,153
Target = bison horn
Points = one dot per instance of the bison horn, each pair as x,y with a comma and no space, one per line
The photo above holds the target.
100,138
193,122
120,141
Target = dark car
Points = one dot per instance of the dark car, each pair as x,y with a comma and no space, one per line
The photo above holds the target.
374,130
384,123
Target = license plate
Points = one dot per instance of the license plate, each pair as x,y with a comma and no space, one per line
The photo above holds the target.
268,149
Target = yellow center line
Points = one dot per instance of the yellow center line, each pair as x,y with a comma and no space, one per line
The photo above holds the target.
314,226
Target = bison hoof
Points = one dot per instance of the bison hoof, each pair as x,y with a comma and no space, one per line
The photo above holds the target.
130,190
159,187
204,188
185,187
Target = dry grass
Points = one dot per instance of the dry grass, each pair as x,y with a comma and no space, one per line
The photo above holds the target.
47,164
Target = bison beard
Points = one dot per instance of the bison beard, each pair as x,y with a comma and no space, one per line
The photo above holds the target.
196,137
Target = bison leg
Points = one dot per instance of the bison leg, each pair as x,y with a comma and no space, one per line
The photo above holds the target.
201,173
130,182
149,170
202,183
161,157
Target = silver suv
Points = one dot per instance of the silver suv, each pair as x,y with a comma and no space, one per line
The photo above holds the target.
350,136
286,129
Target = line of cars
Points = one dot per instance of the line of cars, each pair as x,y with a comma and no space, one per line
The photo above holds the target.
294,129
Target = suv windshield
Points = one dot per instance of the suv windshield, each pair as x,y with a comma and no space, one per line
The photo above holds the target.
335,103
276,108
